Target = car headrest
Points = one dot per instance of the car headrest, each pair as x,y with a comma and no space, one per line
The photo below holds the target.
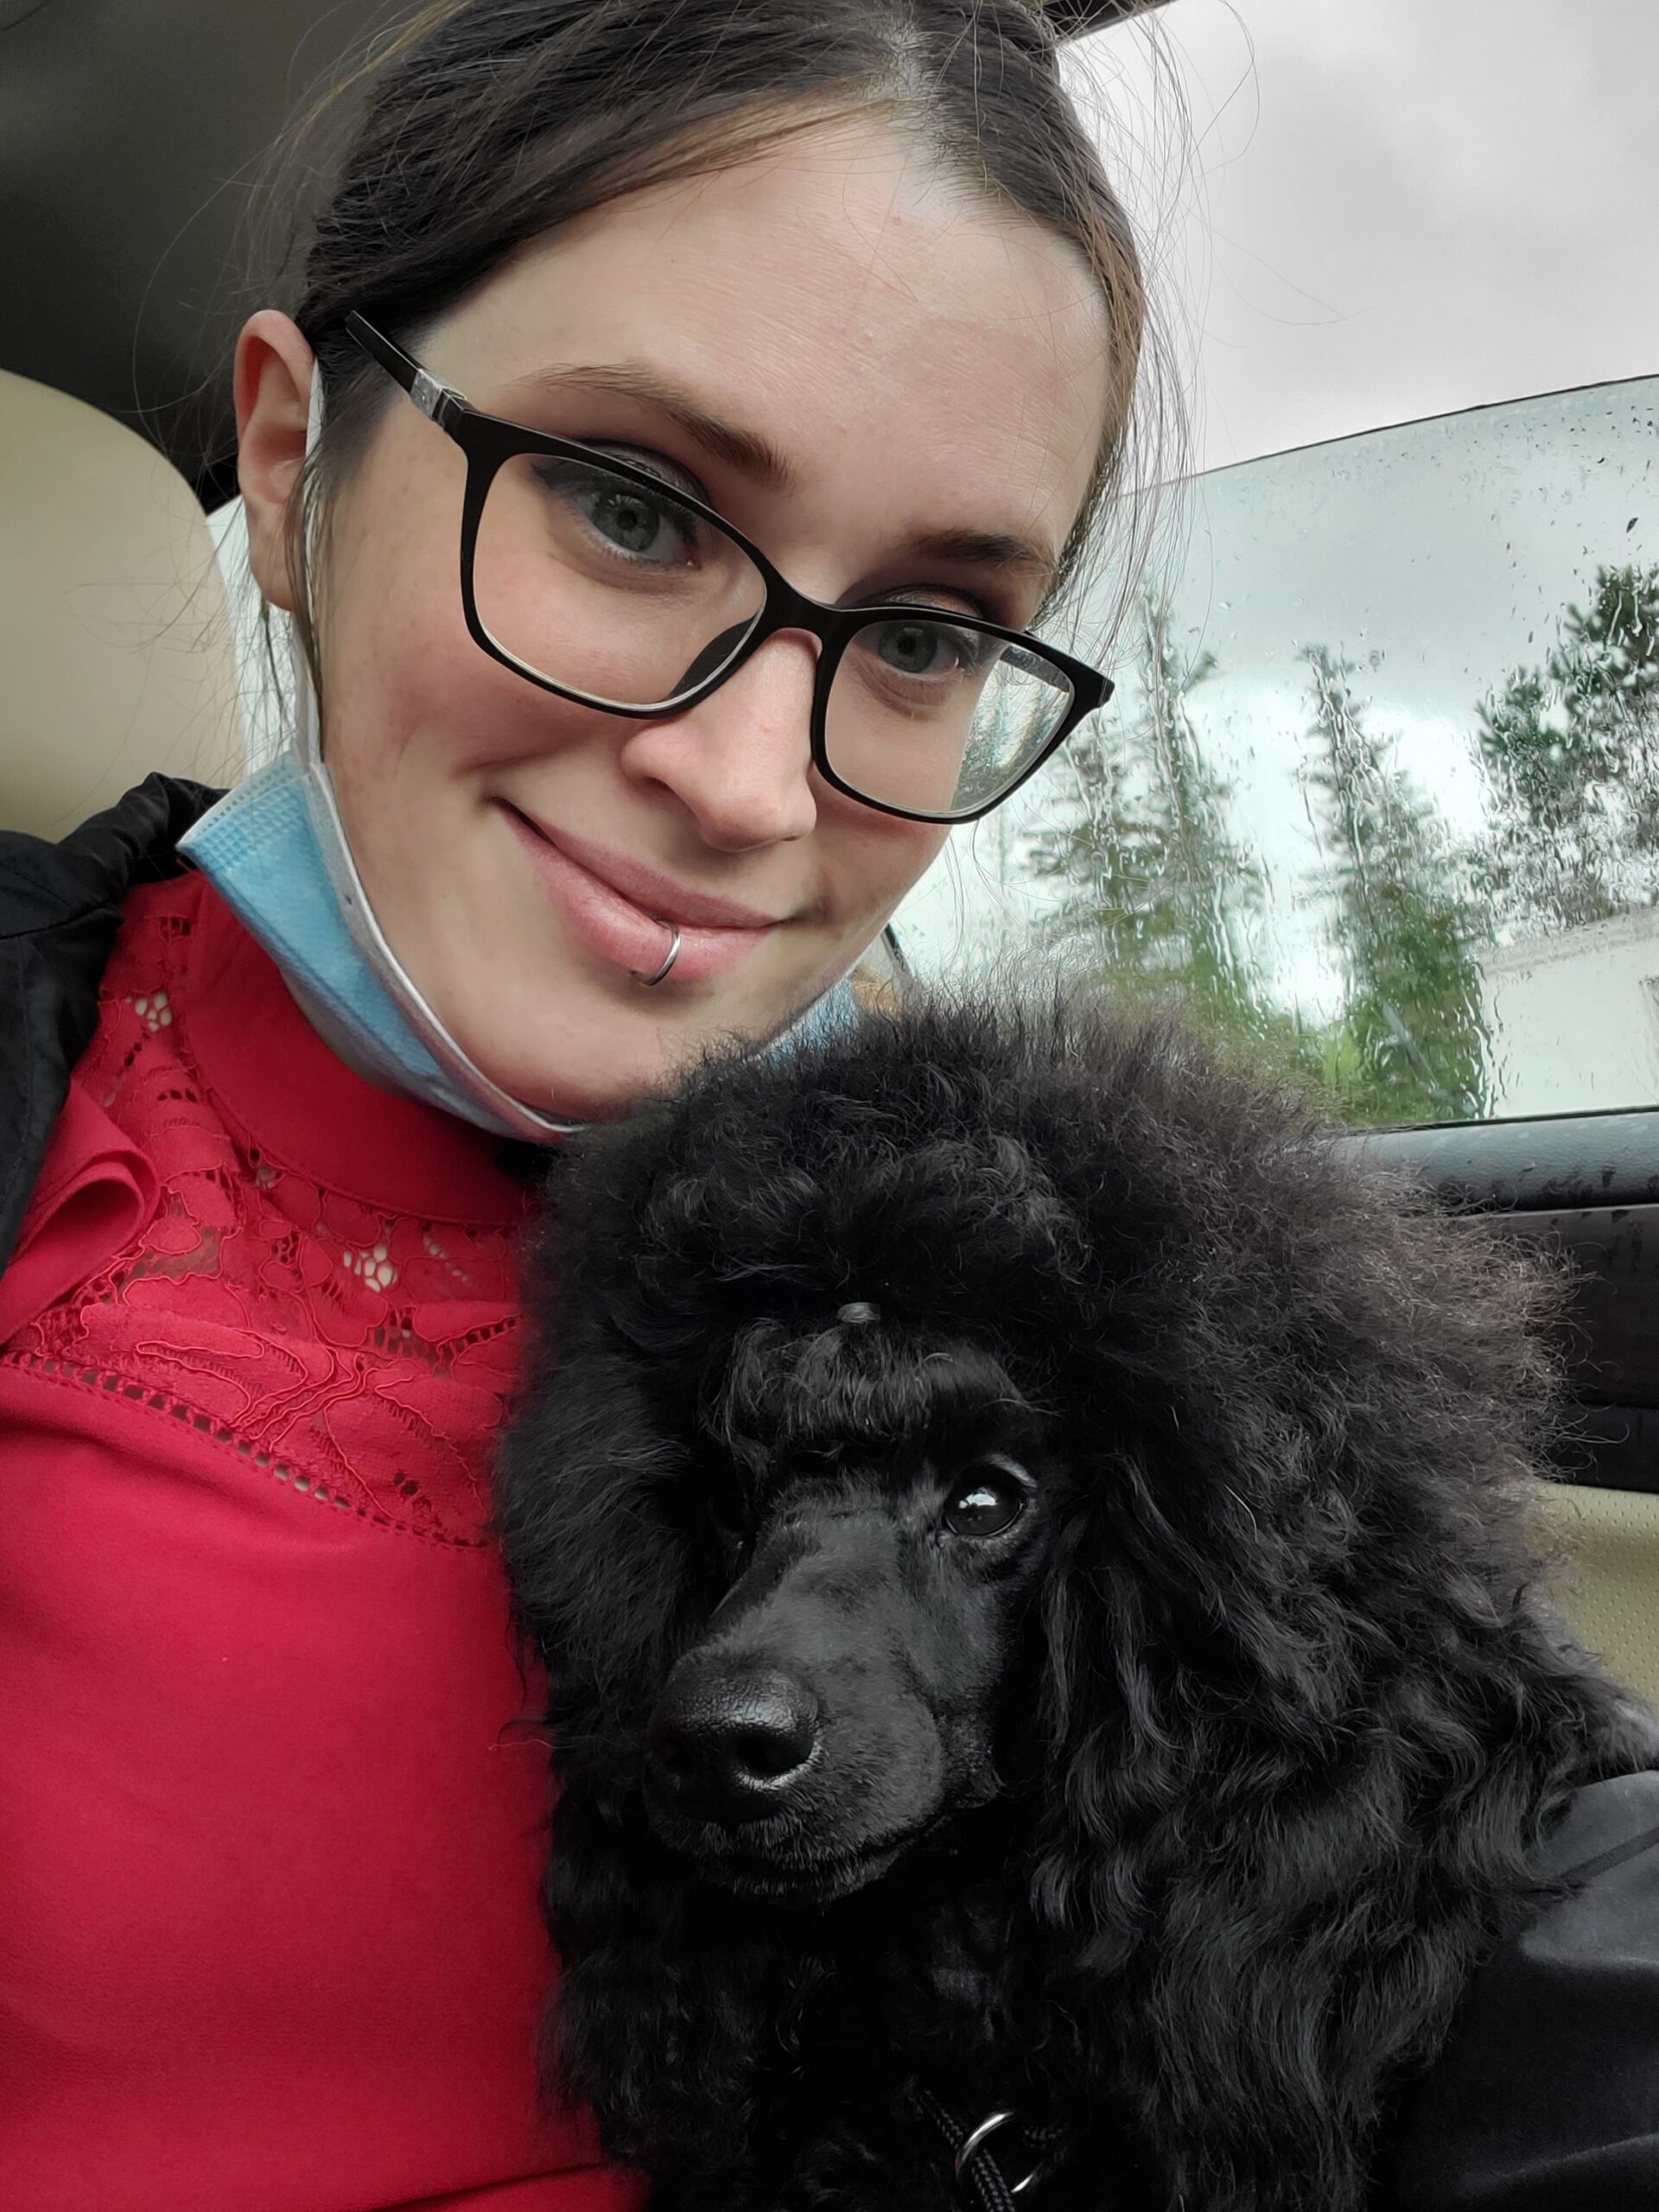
115,654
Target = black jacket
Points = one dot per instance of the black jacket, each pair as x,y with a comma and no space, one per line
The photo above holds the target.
1546,2098
59,905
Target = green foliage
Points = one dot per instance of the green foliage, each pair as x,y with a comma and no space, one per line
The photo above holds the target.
1156,896
1571,751
1411,1043
1154,892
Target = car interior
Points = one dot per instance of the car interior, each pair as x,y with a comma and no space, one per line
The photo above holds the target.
127,139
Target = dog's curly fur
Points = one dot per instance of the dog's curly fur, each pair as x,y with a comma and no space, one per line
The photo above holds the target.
1300,1713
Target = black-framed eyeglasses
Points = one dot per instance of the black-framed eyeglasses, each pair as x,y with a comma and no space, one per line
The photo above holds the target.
593,578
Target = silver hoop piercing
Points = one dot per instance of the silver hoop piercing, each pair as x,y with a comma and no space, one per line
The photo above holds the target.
673,955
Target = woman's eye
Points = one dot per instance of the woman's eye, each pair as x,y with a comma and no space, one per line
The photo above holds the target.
656,532
986,1503
643,528
928,651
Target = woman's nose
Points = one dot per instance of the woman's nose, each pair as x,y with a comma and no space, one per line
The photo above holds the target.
740,761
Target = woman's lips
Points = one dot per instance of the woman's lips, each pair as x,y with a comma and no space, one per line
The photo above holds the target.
616,930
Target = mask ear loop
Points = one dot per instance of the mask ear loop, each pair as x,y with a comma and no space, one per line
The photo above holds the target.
305,736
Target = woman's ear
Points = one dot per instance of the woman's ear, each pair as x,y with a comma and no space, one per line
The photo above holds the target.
272,386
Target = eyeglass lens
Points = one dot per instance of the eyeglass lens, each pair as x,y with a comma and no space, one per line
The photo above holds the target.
627,597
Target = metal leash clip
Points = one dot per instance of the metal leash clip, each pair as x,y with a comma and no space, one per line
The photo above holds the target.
978,2135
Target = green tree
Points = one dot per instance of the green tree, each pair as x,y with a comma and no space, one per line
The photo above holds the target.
1154,892
1571,751
1411,1043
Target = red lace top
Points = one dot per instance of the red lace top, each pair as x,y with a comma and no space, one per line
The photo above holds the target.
269,1930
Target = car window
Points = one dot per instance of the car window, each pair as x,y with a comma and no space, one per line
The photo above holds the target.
1380,786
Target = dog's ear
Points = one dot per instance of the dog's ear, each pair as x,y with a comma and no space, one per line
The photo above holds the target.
602,1556
1253,1923
665,1991
675,1998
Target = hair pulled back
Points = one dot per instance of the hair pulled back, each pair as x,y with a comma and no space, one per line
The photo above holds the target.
479,125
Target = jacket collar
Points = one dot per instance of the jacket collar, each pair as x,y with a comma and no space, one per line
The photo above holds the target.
59,908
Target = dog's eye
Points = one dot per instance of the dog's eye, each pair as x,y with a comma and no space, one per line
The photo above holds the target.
986,1502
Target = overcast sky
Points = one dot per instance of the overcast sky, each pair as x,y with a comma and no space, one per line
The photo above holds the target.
1393,207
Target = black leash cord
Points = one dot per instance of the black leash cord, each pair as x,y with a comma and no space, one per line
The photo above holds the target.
979,2180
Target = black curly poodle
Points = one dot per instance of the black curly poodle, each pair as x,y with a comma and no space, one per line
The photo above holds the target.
1023,1532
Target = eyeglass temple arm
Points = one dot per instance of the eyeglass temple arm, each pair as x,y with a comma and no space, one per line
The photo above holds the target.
428,394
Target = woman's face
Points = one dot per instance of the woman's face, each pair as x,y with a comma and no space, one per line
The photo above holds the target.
890,362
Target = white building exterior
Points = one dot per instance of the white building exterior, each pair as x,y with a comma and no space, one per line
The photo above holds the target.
1575,1018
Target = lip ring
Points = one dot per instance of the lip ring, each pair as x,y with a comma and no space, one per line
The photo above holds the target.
627,928
673,955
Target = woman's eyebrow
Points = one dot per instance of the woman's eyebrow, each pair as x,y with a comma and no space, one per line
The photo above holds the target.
988,548
744,450
756,457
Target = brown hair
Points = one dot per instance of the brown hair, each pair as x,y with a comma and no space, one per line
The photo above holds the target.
480,124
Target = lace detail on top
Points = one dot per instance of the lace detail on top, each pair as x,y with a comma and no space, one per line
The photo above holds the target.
363,1354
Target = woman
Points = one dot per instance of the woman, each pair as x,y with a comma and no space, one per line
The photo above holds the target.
616,782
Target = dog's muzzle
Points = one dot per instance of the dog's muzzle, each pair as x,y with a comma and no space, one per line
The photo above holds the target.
732,1743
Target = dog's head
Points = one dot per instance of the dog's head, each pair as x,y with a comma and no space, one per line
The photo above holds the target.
856,1687
947,1397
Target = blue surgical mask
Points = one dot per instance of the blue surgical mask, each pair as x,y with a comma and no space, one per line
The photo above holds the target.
275,849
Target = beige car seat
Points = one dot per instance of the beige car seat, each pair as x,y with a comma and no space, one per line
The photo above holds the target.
1607,1577
115,639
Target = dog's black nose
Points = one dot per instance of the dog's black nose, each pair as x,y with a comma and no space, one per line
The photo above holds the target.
729,1748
